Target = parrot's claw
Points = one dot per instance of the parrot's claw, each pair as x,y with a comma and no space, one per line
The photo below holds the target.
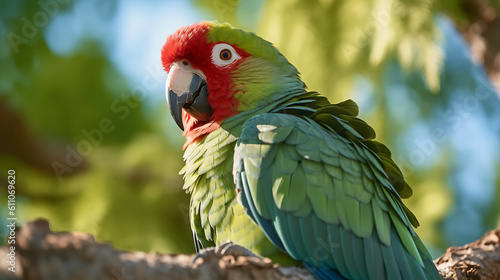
202,254
226,249
235,250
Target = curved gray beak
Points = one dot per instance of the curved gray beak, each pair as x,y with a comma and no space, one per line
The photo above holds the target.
187,90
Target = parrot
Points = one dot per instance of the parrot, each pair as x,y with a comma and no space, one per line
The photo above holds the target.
278,169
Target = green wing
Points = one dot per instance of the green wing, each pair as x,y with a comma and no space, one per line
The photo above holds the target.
326,198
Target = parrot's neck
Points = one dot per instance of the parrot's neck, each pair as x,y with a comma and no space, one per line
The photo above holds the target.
259,100
256,86
235,124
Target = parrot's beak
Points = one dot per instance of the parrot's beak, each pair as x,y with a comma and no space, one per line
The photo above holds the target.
187,89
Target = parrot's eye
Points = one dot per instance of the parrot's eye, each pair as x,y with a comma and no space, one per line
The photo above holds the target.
224,54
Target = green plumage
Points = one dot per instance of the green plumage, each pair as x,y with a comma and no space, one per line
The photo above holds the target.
343,186
312,181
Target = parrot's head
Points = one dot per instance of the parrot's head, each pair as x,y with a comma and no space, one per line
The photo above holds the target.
216,71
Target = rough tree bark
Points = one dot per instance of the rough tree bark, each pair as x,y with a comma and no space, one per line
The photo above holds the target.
479,260
44,255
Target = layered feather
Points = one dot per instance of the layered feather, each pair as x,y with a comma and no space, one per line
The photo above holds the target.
334,204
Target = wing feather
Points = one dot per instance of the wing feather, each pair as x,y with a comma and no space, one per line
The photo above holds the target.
325,199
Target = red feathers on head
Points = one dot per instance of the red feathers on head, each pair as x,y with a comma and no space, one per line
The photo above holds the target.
191,43
188,42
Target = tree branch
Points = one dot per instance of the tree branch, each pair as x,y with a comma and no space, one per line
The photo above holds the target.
44,255
477,260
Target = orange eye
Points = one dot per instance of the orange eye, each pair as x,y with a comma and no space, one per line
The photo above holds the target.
225,54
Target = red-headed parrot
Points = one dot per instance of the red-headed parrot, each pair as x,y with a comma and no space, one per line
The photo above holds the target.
280,170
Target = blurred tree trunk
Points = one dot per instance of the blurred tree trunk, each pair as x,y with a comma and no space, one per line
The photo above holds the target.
44,255
21,143
482,32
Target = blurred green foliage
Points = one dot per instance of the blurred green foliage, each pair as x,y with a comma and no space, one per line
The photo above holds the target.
126,189
388,55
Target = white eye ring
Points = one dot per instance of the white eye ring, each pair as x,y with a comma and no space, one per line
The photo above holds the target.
224,54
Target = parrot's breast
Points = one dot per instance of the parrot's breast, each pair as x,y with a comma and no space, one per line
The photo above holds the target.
216,217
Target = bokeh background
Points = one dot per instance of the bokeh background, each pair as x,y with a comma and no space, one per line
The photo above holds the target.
84,121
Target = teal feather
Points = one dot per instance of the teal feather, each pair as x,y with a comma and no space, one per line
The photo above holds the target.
292,153
352,214
283,163
297,138
308,153
308,237
335,172
281,186
299,243
367,220
255,180
304,210
373,257
406,237
348,252
336,251
391,266
272,134
333,160
350,166
320,179
367,171
320,204
325,149
321,246
283,231
368,184
347,127
311,167
348,185
382,223
296,193
340,199
403,262
358,249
